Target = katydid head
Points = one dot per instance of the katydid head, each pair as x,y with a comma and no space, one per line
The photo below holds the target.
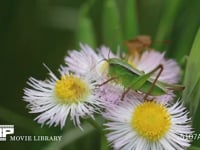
102,66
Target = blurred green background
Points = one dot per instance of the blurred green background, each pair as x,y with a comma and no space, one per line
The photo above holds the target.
41,31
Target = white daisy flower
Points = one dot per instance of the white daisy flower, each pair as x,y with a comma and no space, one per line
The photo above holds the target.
56,99
82,61
150,59
86,60
148,125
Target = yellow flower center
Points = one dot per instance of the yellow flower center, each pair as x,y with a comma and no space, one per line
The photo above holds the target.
151,120
71,89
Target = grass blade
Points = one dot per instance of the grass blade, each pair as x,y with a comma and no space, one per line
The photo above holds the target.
131,24
184,34
167,19
112,35
85,31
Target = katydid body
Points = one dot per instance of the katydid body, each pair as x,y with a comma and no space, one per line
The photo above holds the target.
137,80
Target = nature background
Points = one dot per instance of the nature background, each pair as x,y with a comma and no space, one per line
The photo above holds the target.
33,32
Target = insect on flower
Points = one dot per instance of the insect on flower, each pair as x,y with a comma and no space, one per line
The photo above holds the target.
134,79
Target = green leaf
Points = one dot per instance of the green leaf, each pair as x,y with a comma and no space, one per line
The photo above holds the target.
191,95
112,35
71,136
131,24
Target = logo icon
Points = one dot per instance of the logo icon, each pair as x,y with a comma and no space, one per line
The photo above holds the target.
5,130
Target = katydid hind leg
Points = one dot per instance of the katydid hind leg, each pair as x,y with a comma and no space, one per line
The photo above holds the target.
124,94
160,68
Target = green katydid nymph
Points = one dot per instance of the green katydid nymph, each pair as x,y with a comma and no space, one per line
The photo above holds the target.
134,79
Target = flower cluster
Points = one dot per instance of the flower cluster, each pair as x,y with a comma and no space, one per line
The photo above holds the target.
119,87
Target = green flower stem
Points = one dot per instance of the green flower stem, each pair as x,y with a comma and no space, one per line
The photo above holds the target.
104,142
194,148
95,125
